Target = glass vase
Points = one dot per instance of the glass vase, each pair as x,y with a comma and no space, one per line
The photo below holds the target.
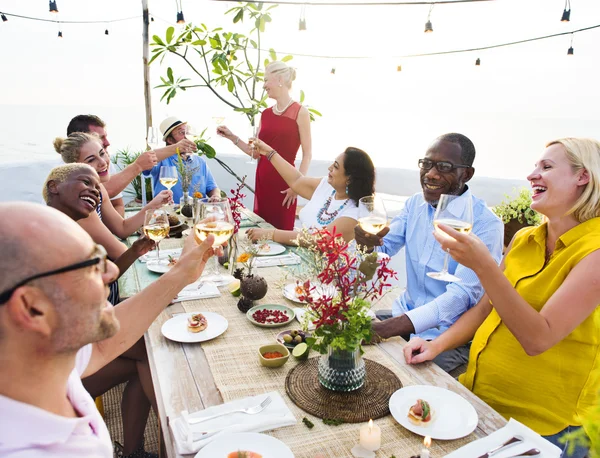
342,370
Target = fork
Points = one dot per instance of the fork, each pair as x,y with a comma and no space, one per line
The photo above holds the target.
532,452
249,410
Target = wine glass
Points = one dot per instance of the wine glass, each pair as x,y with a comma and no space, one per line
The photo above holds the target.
156,227
214,217
168,176
446,213
252,149
154,138
372,216
218,119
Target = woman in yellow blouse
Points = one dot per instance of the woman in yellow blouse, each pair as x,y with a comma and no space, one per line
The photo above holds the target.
535,354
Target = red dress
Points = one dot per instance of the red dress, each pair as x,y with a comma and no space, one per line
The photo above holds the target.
282,134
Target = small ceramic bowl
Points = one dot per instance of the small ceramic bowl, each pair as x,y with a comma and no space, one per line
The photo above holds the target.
273,362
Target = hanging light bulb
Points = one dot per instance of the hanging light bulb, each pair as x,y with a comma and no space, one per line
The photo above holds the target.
399,68
302,24
478,62
570,50
428,25
566,16
180,19
333,71
60,34
53,7
151,19
106,32
4,18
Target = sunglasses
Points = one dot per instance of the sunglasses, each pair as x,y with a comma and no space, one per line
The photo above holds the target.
441,166
99,256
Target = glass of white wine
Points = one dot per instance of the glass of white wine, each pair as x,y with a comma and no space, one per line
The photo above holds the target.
445,213
372,216
168,176
214,217
156,227
154,138
252,148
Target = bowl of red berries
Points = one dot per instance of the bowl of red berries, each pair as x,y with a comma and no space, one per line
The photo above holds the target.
270,315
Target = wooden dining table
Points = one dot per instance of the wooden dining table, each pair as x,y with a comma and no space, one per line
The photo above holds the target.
195,376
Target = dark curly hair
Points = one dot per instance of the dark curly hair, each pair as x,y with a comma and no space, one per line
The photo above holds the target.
361,173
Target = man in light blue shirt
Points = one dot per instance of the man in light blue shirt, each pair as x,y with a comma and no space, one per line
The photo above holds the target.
174,131
428,307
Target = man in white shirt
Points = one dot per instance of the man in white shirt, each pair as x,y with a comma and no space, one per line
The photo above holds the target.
56,327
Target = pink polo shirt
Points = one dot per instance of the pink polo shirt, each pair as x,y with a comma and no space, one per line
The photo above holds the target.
28,431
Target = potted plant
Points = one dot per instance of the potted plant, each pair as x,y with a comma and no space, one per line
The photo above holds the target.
338,302
122,159
516,213
186,173
253,287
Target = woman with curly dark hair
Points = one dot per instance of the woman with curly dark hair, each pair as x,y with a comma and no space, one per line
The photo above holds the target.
333,200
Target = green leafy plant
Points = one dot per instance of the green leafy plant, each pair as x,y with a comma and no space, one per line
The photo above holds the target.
229,64
592,427
186,172
518,208
122,159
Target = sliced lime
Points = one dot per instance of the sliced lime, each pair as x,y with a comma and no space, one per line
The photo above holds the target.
234,288
301,351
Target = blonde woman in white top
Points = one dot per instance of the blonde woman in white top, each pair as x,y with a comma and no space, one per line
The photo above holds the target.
333,200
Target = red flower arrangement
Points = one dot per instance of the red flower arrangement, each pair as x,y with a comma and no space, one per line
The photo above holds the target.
236,205
355,279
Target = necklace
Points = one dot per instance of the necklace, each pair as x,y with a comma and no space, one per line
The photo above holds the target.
278,111
324,217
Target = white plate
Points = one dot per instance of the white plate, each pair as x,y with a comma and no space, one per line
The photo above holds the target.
176,328
267,446
289,292
160,267
274,249
453,416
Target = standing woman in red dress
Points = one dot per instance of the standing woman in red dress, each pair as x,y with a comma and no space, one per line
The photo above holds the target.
285,126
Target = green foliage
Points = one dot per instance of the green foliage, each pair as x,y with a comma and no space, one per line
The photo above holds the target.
122,159
333,421
518,208
227,63
591,425
309,424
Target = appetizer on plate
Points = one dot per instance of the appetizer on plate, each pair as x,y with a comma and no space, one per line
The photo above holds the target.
264,248
172,261
197,322
420,414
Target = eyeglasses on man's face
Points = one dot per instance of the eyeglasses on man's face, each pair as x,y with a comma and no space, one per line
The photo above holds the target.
441,166
98,257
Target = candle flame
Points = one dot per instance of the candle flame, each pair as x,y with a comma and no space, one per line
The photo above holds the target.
427,441
370,426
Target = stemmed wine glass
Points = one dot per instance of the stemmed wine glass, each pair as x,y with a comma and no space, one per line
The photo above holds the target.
214,217
372,216
445,213
153,137
156,227
253,134
168,176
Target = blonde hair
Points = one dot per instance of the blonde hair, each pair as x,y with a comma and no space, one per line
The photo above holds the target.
69,147
60,174
584,154
282,70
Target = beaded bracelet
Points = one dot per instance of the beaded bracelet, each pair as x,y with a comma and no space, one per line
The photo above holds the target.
271,154
237,141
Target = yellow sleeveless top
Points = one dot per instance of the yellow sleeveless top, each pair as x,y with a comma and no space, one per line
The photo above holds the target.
559,387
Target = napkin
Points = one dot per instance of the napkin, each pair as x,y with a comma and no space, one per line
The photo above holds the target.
164,254
197,290
190,438
532,440
279,260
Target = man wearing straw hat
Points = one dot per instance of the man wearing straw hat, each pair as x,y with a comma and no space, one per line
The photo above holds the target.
174,131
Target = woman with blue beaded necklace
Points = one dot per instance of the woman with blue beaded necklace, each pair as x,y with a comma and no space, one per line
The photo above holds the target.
333,200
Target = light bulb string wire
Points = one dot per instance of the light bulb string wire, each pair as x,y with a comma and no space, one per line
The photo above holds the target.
71,22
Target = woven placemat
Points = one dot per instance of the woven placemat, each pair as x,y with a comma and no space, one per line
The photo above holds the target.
371,401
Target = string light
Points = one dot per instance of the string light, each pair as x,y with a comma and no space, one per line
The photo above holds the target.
566,16
180,18
4,18
399,68
333,71
478,62
428,26
570,50
60,34
53,7
302,24
106,32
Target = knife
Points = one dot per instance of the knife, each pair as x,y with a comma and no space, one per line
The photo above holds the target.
509,443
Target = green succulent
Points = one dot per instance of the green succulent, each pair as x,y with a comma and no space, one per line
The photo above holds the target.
518,208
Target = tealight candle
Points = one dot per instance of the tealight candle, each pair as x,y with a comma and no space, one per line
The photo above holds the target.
427,444
370,436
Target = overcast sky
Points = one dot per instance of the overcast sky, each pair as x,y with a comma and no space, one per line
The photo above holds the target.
518,99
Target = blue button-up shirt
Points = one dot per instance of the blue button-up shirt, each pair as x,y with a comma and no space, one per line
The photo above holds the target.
202,179
432,305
